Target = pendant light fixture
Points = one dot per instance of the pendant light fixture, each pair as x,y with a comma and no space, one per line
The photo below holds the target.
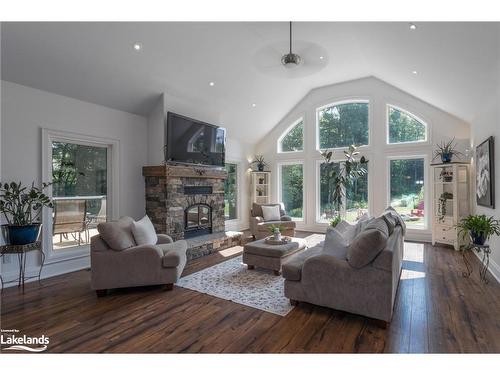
291,60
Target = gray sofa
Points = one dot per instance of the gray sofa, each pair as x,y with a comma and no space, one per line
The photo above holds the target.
328,278
259,227
117,262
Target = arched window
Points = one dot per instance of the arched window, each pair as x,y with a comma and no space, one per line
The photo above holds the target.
404,127
293,139
342,124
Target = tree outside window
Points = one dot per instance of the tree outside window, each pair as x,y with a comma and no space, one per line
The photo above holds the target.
407,190
343,125
292,190
294,139
404,127
231,192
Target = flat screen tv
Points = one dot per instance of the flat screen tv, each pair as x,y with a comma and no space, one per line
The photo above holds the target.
194,142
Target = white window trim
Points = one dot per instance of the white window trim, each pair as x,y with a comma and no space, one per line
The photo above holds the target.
427,192
49,136
304,193
339,102
285,133
237,220
426,141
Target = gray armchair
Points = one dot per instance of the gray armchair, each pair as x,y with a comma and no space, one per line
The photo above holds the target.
117,262
260,228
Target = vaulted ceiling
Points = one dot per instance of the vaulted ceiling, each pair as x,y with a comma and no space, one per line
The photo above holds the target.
457,64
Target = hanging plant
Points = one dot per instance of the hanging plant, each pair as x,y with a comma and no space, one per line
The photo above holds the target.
442,204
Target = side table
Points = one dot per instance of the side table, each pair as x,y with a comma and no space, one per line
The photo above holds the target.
485,260
21,251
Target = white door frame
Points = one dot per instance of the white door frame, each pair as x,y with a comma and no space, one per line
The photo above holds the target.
113,146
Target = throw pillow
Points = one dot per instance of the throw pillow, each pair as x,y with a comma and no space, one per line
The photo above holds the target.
379,224
390,221
144,232
365,247
271,213
117,234
347,230
335,244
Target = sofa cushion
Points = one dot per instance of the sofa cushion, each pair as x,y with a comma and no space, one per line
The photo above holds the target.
348,230
366,246
144,232
117,234
271,213
378,224
292,268
397,217
257,209
390,221
335,243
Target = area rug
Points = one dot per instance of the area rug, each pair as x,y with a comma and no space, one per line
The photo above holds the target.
232,281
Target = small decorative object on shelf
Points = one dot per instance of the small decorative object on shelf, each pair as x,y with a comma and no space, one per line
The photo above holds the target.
259,162
22,207
446,151
446,176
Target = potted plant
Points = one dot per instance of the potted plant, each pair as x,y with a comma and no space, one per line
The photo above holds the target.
339,179
479,227
446,151
276,231
22,207
446,176
260,162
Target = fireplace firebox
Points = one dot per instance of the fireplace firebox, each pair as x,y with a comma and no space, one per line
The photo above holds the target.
198,220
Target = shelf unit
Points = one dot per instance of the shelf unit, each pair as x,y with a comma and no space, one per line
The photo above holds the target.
261,187
450,202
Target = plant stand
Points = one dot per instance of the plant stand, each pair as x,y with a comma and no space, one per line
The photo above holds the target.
485,260
21,251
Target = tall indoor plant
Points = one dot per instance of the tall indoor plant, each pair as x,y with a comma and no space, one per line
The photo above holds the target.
351,169
446,151
22,207
479,227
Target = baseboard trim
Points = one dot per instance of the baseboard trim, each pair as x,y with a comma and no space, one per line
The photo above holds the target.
49,270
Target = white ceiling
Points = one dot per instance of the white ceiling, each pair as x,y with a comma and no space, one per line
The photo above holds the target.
458,64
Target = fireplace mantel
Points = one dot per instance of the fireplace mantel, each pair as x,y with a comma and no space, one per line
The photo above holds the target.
176,171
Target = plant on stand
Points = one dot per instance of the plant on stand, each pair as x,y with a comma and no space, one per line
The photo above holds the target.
446,151
351,169
259,162
22,207
479,228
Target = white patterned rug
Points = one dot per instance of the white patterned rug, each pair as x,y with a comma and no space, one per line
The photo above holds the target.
231,280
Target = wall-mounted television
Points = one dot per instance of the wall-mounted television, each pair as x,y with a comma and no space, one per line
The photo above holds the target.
194,142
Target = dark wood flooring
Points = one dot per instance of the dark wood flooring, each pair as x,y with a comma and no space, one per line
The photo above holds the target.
436,310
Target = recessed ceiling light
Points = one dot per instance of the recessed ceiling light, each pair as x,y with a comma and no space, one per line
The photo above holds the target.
321,57
413,26
414,72
137,46
211,83
254,105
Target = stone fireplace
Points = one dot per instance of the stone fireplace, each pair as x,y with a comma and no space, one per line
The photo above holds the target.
185,201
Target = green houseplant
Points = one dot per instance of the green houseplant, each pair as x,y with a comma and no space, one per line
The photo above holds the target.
259,162
351,169
479,227
22,207
446,151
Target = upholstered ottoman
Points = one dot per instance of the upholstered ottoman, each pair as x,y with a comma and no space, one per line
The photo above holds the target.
271,257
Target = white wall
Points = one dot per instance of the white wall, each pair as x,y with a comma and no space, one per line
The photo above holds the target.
442,125
484,126
156,131
25,111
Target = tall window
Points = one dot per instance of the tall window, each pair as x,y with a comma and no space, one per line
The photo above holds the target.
293,139
403,127
231,192
292,189
342,125
356,202
79,190
407,190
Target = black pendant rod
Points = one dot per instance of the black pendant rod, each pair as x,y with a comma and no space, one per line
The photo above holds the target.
290,37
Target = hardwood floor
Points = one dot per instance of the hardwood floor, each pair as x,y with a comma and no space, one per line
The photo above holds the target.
436,310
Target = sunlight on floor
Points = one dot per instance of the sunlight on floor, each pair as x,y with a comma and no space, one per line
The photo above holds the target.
231,251
414,252
410,274
71,239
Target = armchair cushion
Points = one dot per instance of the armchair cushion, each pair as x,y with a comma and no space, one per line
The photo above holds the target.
117,234
257,209
271,213
285,218
144,232
173,253
164,238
